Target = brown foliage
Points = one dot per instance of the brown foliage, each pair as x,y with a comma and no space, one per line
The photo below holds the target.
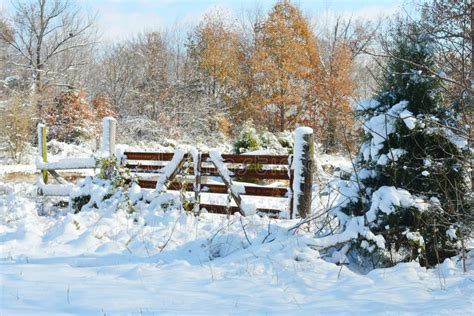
70,117
286,57
337,122
103,107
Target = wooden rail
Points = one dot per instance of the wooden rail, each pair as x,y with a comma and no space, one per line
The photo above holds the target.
272,174
228,158
219,188
222,209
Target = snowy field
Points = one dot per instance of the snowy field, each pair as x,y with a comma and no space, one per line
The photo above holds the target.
108,263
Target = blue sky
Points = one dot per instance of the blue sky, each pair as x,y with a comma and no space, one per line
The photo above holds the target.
118,19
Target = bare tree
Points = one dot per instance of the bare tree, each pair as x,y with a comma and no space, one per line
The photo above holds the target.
50,37
114,75
6,32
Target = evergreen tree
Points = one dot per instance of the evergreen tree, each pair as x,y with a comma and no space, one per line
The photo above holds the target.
413,188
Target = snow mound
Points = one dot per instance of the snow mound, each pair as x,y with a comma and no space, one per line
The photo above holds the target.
162,260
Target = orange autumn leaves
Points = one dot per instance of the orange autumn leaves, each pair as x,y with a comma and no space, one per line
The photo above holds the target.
276,76
71,116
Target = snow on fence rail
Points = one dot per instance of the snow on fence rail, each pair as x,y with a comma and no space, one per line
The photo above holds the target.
49,168
294,169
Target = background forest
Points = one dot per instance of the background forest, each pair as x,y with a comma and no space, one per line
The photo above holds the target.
275,70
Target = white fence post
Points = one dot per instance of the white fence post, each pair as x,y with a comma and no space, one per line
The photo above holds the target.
109,125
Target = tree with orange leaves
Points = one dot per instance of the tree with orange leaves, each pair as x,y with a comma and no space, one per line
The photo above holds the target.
223,61
102,105
336,89
286,57
216,51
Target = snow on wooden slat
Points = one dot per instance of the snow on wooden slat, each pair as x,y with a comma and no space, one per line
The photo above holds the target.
68,163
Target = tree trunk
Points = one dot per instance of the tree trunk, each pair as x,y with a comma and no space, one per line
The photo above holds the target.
471,90
282,118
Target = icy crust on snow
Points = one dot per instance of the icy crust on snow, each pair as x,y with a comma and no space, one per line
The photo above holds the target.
408,119
365,105
297,165
94,187
387,198
53,189
393,155
108,261
353,229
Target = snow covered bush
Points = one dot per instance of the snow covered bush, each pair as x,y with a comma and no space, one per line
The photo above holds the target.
113,181
409,194
247,140
251,139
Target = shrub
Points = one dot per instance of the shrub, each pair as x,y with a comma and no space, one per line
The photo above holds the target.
251,139
248,140
70,117
16,127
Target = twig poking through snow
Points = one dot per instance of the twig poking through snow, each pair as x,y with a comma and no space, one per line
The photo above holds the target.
245,232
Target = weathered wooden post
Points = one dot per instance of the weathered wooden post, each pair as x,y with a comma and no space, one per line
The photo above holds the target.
109,126
302,165
197,182
42,152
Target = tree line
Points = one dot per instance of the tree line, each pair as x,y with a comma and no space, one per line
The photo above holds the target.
276,69
270,69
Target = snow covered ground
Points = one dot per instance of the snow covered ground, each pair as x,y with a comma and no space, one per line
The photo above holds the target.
111,262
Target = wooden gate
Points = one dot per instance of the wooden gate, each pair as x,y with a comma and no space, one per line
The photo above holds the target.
292,172
245,168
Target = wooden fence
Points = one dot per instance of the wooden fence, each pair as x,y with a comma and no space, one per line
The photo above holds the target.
198,168
246,168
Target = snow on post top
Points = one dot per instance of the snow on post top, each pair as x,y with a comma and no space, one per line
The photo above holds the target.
302,130
106,137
